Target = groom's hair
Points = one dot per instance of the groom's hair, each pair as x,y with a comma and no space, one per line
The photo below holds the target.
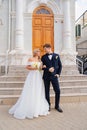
47,45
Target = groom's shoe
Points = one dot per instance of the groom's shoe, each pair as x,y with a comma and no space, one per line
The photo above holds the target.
59,109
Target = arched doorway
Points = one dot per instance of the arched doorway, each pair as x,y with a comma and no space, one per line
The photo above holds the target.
43,28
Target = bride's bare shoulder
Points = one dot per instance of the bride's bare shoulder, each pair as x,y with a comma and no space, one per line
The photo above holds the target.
31,59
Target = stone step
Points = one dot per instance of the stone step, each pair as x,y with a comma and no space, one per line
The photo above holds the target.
18,74
12,78
67,72
71,70
17,68
11,84
73,83
62,77
21,70
65,98
73,77
71,89
10,91
24,73
67,90
62,83
23,67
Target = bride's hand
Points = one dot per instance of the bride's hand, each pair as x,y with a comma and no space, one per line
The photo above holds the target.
34,68
44,66
31,68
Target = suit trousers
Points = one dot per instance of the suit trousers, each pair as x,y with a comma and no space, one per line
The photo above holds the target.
55,84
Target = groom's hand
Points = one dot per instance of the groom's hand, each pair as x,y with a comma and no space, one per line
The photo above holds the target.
57,75
51,69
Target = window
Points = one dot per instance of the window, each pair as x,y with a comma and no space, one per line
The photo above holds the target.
42,11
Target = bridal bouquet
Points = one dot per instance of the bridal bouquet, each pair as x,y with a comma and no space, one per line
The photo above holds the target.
36,65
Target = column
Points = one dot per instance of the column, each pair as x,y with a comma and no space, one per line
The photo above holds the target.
19,25
67,44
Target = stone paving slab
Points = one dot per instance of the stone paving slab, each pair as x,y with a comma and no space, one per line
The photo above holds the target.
74,117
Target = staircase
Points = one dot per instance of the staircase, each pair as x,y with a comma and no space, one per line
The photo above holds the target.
73,86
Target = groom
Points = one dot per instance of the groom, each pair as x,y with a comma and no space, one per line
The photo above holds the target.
52,69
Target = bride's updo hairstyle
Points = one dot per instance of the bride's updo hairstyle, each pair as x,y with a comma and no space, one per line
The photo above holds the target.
35,52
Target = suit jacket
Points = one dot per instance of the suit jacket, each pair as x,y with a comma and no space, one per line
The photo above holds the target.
54,62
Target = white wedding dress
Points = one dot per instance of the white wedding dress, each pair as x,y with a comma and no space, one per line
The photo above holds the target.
31,102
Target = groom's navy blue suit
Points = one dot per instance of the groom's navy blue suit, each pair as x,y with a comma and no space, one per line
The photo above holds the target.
50,77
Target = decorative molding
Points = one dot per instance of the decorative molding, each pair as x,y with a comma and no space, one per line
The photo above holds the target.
50,3
43,1
54,6
28,15
59,18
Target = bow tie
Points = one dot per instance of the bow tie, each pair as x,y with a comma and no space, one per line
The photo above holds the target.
49,54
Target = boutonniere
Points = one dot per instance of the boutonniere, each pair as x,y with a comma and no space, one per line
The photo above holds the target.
56,57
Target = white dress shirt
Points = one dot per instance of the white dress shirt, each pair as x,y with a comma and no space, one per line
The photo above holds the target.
50,56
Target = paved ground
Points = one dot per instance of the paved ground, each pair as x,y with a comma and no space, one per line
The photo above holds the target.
74,117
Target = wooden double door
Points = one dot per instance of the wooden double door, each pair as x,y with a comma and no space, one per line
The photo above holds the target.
43,28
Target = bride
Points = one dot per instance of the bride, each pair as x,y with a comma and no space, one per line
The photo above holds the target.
32,102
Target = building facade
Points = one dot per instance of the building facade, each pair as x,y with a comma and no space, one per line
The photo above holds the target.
29,24
81,37
81,40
